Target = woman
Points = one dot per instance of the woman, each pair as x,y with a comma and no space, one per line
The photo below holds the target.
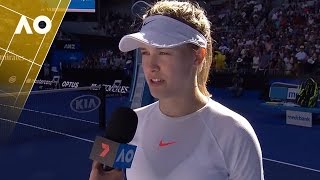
185,134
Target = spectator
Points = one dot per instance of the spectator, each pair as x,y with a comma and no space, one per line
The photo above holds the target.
301,60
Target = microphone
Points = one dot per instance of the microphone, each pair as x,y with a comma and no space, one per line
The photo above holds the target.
113,150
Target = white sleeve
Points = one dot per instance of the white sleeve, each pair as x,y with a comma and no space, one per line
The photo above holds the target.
247,156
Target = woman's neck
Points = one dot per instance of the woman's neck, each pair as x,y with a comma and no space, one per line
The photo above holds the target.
183,105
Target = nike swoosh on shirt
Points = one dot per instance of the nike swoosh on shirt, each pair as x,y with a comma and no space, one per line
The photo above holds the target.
163,144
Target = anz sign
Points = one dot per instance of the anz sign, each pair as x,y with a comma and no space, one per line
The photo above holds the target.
85,103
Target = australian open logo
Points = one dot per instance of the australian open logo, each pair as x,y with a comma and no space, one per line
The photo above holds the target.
85,103
41,24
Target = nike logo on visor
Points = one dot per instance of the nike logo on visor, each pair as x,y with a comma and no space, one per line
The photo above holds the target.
163,144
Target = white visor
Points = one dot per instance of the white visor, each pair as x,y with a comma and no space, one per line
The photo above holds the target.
162,32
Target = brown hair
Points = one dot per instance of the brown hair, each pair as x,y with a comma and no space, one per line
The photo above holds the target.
193,15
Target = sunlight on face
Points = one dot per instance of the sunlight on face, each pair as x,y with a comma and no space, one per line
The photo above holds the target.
169,72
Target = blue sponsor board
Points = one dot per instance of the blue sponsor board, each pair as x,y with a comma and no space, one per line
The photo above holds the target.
82,6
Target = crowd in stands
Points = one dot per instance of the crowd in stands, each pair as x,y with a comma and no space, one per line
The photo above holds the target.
251,37
106,59
116,24
285,42
63,36
243,16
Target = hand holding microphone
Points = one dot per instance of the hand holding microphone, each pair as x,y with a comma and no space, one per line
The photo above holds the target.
97,173
112,153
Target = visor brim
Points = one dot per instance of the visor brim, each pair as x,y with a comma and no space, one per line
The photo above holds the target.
137,40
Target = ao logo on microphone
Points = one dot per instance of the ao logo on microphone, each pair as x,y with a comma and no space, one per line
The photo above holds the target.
112,154
124,154
85,103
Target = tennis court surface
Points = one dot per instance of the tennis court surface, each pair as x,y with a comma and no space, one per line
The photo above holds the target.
55,133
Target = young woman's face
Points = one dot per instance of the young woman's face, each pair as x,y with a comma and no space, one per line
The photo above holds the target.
169,72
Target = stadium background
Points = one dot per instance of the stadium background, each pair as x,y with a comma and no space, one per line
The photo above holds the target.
258,42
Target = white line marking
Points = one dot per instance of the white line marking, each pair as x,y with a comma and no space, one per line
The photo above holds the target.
41,92
48,130
51,114
25,79
89,88
7,50
36,55
19,56
7,94
57,10
294,165
15,12
87,140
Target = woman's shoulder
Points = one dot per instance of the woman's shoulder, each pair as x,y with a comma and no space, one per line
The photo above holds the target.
234,135
142,111
223,121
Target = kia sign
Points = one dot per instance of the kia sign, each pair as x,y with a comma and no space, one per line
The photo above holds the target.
85,103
